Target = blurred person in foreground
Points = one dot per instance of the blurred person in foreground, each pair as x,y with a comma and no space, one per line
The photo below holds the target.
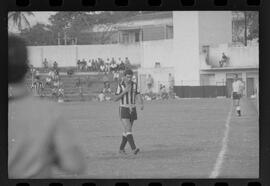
39,140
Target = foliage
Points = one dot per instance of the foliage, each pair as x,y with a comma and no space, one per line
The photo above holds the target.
19,19
39,34
72,26
251,25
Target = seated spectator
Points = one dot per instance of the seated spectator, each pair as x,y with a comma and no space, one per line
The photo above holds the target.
78,64
89,66
113,67
70,72
134,79
102,68
122,66
45,64
127,63
61,94
38,86
83,65
116,75
149,82
171,85
37,74
55,65
101,96
163,92
224,60
119,61
107,89
48,81
105,94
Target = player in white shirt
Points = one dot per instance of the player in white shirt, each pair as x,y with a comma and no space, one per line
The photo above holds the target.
237,92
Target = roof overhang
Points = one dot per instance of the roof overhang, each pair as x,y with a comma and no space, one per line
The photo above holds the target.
239,68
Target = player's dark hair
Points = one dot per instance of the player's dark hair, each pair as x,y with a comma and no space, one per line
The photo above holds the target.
17,59
128,72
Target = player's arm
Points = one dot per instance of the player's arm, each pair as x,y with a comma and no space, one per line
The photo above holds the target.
120,95
140,100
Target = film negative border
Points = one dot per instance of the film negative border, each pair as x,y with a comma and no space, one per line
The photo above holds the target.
263,6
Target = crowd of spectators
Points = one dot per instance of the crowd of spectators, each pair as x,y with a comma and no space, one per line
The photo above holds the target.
102,65
52,81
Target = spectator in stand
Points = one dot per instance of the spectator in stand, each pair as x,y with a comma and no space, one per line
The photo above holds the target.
102,68
78,64
122,66
60,93
127,63
89,68
38,86
107,68
171,85
114,67
101,96
163,92
149,83
119,61
116,75
45,64
97,66
112,60
50,78
134,79
93,65
224,60
107,91
55,65
83,65
33,75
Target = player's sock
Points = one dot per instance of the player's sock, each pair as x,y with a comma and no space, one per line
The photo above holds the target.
131,140
238,110
123,142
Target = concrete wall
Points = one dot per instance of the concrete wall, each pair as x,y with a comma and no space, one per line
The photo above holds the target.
186,48
157,51
239,55
142,23
68,55
215,27
145,53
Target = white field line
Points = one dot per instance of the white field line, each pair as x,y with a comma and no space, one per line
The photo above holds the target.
216,170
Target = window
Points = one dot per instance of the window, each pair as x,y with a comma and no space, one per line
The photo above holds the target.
169,32
137,36
125,38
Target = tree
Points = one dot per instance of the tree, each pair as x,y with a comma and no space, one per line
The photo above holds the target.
39,34
69,25
66,27
245,26
20,19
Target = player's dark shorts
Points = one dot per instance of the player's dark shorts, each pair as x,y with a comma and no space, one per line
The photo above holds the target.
126,114
236,95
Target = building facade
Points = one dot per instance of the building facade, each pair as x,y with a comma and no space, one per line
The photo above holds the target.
187,44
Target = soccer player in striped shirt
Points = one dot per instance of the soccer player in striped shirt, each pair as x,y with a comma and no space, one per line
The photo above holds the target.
127,91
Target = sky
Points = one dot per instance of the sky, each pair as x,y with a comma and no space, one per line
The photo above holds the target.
39,17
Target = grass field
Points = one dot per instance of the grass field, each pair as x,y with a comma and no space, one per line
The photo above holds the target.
189,138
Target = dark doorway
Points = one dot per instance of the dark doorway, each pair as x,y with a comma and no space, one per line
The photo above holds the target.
229,82
250,87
